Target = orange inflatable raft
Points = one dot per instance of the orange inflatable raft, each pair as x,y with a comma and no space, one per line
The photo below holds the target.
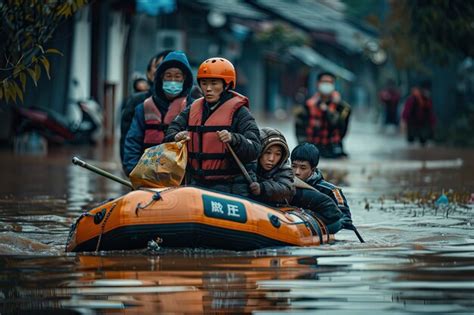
194,218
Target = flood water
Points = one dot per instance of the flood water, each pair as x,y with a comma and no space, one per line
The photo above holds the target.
418,257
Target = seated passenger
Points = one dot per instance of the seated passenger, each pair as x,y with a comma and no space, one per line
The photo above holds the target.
276,186
275,177
304,162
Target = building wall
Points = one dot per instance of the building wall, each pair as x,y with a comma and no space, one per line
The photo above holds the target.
117,40
253,65
79,81
143,42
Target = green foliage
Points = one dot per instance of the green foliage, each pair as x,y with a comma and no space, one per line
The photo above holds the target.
279,37
459,132
26,26
360,9
421,30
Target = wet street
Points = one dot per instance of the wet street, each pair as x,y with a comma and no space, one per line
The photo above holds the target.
418,257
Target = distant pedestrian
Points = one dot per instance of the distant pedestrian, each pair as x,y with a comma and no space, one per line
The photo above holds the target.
418,114
390,97
325,118
140,85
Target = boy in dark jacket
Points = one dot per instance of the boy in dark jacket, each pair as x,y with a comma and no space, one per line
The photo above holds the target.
304,162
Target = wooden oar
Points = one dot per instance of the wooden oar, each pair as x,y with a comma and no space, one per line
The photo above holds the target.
353,228
239,163
81,163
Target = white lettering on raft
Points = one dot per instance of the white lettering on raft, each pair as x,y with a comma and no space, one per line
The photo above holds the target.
217,207
233,210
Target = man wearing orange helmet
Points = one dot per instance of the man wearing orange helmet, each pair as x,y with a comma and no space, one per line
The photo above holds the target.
222,116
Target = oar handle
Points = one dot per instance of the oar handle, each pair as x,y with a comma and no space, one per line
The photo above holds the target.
81,163
353,228
239,163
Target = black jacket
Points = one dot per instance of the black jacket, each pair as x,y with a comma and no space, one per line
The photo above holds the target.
276,186
245,142
126,115
317,181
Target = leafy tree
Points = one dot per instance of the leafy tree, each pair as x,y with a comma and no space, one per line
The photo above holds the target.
427,30
26,26
280,36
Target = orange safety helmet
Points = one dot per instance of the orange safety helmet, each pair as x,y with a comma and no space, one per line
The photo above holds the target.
219,68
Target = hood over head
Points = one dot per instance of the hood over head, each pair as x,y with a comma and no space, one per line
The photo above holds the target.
175,59
270,136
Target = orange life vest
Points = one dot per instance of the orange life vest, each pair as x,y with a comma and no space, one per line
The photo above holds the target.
319,130
207,155
155,126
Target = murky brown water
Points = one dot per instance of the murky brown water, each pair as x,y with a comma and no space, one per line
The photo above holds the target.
418,259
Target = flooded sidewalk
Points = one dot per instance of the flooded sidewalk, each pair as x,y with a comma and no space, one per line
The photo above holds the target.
418,256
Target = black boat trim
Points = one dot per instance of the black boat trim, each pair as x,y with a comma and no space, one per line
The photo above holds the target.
184,235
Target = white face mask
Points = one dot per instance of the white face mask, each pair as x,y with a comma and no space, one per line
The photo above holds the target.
326,88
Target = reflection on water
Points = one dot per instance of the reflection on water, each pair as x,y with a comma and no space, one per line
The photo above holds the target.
382,280
79,187
418,258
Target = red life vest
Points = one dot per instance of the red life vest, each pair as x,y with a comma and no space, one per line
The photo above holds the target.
207,155
319,130
155,126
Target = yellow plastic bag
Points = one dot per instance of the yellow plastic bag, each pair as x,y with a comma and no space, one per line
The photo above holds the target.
163,165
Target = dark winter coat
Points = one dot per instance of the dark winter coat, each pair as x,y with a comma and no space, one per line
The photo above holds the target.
418,110
127,112
317,181
134,141
245,142
277,186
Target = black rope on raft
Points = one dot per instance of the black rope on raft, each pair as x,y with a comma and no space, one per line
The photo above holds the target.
156,196
103,226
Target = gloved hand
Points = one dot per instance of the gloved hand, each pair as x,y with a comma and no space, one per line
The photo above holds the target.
346,223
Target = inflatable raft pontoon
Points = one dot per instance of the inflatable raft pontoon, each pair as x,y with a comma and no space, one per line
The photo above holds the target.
193,218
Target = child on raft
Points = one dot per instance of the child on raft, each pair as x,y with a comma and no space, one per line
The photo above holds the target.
304,162
275,183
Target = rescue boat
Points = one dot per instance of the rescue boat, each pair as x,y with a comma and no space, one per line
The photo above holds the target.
191,217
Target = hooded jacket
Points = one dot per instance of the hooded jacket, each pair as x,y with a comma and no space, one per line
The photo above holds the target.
277,186
134,141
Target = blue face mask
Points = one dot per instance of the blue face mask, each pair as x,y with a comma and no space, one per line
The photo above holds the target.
172,87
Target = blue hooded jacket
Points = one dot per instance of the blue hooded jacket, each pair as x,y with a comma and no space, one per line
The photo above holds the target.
134,146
